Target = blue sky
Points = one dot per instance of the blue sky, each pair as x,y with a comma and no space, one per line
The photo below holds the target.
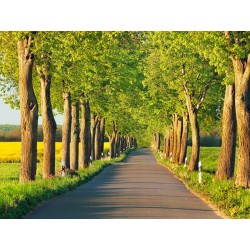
12,116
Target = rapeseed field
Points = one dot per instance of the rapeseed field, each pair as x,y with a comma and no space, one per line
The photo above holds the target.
10,151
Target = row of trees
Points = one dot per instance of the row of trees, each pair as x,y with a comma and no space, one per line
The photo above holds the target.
139,82
193,68
88,69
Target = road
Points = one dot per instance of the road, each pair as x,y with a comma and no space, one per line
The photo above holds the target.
137,188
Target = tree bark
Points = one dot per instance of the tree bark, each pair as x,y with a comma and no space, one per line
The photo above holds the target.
129,141
166,144
85,136
98,141
102,134
94,119
117,144
74,149
184,138
122,144
66,129
112,139
158,141
179,133
228,145
171,141
175,128
135,141
195,154
28,111
242,104
49,125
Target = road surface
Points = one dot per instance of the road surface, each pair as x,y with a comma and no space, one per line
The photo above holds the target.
137,188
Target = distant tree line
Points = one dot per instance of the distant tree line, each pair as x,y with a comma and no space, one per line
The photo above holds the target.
11,133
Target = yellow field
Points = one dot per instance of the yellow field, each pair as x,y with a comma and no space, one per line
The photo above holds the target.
10,151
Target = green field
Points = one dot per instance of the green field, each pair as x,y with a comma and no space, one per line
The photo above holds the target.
233,202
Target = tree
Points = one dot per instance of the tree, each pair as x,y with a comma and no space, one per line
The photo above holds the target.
183,76
66,129
17,89
231,50
213,46
28,109
184,137
239,47
49,123
85,151
227,153
75,128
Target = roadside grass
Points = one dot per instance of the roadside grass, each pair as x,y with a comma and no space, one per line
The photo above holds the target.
16,200
233,202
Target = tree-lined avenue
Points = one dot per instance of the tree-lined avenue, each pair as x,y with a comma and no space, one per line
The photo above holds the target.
137,188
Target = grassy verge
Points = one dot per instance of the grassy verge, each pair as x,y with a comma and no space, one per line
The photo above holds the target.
233,202
16,200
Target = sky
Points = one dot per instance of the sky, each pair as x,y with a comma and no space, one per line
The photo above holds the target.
12,116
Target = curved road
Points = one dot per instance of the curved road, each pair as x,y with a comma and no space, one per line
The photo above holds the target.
136,188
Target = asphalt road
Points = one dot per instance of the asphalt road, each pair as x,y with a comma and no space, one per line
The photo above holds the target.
137,188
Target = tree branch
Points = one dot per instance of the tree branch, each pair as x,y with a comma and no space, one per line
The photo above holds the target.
202,96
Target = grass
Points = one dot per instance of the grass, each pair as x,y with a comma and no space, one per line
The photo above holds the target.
233,202
16,199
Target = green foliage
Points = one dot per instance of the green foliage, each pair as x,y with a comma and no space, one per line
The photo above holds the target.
172,62
16,200
232,201
132,78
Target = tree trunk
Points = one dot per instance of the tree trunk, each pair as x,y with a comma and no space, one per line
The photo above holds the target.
49,127
74,149
102,134
166,144
97,141
28,111
122,144
184,138
112,145
175,127
195,154
129,143
242,104
117,144
66,130
228,145
179,133
94,119
171,141
136,145
158,141
85,134
112,139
